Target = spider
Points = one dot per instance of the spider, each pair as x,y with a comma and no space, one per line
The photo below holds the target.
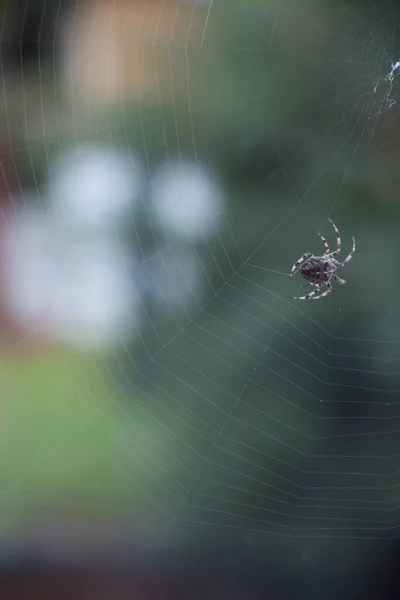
320,270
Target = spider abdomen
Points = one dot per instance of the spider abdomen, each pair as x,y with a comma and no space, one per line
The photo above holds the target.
318,270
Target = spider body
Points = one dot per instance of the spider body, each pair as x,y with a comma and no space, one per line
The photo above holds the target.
320,271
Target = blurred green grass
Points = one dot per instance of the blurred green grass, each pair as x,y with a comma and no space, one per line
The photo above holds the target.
60,435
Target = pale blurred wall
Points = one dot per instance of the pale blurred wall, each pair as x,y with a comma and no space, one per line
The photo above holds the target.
113,51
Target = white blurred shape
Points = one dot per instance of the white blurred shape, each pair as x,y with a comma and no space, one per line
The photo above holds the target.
83,295
27,269
93,302
172,278
186,199
94,186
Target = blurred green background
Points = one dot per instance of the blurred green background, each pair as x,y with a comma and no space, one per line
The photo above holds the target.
246,418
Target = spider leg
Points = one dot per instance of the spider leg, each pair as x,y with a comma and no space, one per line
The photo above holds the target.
327,249
308,296
338,279
338,240
326,292
298,262
313,295
350,256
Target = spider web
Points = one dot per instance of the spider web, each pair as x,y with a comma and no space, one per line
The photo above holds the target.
239,415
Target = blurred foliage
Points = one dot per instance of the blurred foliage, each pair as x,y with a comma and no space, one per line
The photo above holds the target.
242,408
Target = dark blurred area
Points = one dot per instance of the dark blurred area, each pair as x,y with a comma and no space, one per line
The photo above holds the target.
173,423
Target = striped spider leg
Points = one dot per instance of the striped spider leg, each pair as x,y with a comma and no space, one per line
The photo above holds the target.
313,295
297,264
